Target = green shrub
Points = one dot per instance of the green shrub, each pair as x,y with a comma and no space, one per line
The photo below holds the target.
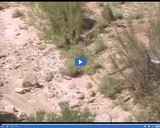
65,21
118,14
70,69
67,115
38,117
109,86
77,51
5,4
137,15
92,67
142,116
17,13
107,14
99,45
143,72
122,104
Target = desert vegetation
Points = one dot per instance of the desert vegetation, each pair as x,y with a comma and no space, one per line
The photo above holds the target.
121,50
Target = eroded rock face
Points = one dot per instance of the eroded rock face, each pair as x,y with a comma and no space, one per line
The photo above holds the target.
30,80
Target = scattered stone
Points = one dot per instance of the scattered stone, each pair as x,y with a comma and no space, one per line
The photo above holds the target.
21,116
67,77
14,66
80,96
71,86
90,93
42,46
53,73
22,90
89,85
51,95
11,59
30,80
49,61
127,98
48,78
19,90
17,34
1,84
2,56
74,104
36,68
91,100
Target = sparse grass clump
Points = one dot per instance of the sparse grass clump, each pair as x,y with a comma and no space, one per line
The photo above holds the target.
122,104
118,14
66,115
109,86
92,66
99,45
70,69
142,116
5,5
137,15
17,13
107,14
79,51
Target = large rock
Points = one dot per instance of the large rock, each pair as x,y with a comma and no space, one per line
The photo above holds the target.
79,96
11,59
90,93
71,86
13,66
22,90
42,46
48,78
30,80
19,90
74,104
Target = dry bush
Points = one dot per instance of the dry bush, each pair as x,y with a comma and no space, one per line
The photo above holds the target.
142,64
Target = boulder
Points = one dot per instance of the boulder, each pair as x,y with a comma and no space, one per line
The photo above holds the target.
80,96
74,104
30,80
90,93
71,86
42,46
19,90
22,90
13,66
48,78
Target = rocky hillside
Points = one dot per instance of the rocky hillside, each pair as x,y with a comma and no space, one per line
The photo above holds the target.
31,76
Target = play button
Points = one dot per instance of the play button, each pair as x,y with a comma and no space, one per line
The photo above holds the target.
80,61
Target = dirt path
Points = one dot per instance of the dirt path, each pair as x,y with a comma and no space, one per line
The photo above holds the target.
21,47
